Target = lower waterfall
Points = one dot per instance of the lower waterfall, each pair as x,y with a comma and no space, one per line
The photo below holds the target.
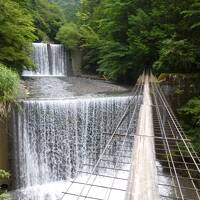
52,139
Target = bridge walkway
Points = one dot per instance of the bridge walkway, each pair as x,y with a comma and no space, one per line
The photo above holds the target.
148,158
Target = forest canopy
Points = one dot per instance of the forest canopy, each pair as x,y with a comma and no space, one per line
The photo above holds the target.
120,38
16,35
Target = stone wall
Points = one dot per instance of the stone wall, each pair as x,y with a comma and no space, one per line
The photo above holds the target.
4,145
4,157
76,56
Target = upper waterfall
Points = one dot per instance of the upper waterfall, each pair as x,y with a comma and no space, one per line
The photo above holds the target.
50,60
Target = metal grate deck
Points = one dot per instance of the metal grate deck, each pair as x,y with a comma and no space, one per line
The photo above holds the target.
177,164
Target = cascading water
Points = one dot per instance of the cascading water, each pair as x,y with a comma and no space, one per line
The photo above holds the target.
58,59
53,138
50,60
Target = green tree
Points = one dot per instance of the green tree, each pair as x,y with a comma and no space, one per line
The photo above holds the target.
48,19
16,35
70,8
178,56
133,34
69,35
180,51
193,15
47,16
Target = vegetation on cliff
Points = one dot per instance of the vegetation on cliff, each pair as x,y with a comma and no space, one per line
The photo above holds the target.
3,191
9,88
9,82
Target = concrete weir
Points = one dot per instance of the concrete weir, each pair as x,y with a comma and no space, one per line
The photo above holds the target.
143,180
4,145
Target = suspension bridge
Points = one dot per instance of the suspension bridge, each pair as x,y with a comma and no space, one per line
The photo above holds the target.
153,160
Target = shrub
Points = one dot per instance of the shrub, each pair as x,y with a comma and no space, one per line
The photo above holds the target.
69,35
9,82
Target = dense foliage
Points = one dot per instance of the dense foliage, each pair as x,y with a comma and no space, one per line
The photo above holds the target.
133,34
69,7
16,35
9,84
69,35
48,17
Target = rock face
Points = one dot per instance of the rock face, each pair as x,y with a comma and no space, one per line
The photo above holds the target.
76,56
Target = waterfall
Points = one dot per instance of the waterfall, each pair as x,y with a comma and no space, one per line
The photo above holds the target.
52,138
58,59
50,60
